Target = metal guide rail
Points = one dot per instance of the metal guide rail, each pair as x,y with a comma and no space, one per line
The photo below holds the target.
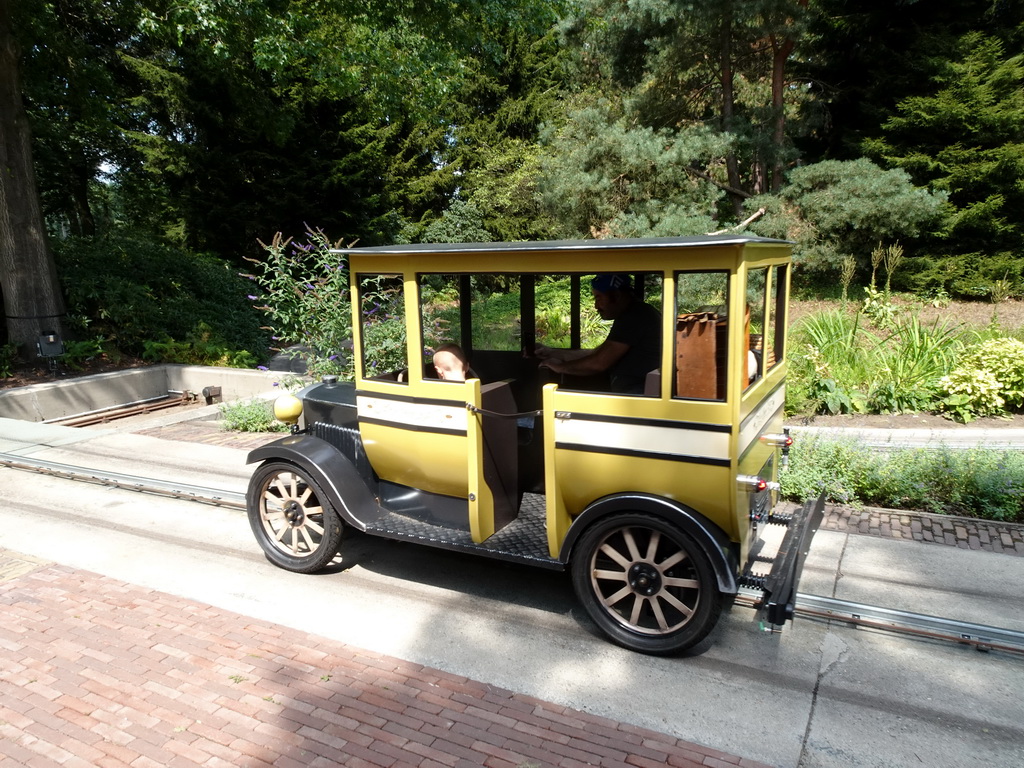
173,489
983,637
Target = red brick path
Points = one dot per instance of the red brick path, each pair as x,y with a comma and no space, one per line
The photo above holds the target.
96,672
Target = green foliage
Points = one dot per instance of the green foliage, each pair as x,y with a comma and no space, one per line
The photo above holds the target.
838,365
978,482
510,88
256,415
605,177
965,137
211,126
131,291
1004,358
706,64
200,347
76,353
832,467
909,362
988,382
828,352
970,394
8,356
215,126
879,307
836,209
554,316
971,276
303,289
384,328
462,222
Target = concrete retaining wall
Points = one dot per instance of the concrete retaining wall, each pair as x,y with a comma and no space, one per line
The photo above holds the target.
73,397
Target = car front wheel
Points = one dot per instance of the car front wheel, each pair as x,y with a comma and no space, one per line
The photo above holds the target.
292,519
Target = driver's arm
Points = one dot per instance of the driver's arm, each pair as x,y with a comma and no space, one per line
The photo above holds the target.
597,361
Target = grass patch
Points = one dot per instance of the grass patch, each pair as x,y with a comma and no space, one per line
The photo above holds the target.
974,482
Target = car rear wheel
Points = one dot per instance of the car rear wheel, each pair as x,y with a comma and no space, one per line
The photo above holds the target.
292,519
646,584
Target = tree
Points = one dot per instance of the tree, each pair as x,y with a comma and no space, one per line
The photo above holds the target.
461,223
511,88
863,58
32,300
608,177
834,209
720,64
217,124
965,137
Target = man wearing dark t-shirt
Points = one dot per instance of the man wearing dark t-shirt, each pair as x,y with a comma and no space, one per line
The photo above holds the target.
633,346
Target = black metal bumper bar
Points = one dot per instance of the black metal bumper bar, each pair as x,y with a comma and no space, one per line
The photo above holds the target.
779,601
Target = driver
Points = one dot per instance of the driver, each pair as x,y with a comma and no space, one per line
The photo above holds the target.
633,346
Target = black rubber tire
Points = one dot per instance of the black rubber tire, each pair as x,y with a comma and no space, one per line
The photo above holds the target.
293,521
658,595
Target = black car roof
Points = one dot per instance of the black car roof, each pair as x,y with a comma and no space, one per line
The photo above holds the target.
568,245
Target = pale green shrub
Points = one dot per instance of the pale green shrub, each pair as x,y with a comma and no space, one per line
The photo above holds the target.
988,382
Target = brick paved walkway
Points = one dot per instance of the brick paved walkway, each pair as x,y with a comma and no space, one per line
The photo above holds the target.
210,432
963,532
96,672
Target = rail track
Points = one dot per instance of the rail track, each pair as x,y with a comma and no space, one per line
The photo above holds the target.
982,637
107,415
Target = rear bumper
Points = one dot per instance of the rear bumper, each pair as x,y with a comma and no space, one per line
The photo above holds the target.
779,600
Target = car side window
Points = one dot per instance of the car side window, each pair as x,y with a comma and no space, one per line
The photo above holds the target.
775,329
382,313
701,335
758,315
495,312
440,311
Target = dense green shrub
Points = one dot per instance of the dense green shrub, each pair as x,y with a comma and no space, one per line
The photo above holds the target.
972,276
976,482
125,292
838,365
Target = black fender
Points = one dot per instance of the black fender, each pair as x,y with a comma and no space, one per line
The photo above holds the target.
330,469
709,537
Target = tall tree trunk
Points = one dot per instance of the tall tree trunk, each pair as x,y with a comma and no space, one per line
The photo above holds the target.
80,214
28,275
781,52
728,102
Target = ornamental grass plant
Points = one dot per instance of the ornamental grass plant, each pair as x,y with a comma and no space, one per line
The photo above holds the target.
866,360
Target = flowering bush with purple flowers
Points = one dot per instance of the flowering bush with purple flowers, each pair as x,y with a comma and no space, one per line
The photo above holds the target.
303,289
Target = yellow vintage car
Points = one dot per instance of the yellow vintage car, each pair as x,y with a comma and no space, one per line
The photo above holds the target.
642,455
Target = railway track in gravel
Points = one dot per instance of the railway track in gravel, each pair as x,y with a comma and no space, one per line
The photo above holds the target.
983,637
